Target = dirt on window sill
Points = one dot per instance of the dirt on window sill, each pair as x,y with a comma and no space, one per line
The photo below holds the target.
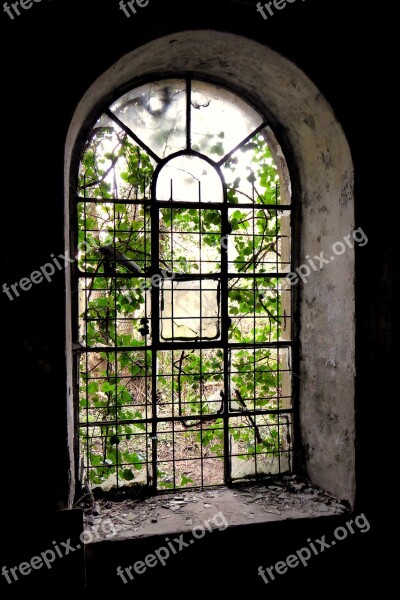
290,497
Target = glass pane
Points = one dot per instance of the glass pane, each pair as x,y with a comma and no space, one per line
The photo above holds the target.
260,310
219,120
114,237
254,175
156,113
260,444
189,383
113,166
190,240
190,310
189,179
115,386
259,241
114,312
256,378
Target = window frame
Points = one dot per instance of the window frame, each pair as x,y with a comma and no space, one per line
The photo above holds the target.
322,174
188,152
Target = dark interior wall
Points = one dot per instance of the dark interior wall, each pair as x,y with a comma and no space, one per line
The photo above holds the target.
51,54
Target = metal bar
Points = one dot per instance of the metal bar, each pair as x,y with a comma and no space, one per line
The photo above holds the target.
185,346
185,204
225,326
242,143
116,354
146,366
188,114
75,334
203,418
129,131
254,351
182,276
155,329
111,201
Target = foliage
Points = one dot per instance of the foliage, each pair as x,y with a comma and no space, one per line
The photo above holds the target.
115,387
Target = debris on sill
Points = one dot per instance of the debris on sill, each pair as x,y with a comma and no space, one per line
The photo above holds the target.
289,497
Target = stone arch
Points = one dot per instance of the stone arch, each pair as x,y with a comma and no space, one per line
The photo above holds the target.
321,171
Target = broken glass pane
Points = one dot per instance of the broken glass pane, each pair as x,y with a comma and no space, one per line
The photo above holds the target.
190,310
113,166
156,113
257,172
220,120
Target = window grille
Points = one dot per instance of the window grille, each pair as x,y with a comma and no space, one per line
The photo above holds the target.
183,315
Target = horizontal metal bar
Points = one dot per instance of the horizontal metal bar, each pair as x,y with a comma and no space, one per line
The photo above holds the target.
184,277
193,458
202,418
175,204
261,206
185,346
112,201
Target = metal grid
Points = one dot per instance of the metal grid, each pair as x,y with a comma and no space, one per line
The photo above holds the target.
184,336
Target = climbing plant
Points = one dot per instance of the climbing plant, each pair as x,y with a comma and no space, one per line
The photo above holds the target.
115,386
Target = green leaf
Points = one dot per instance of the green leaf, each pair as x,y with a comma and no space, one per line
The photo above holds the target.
95,460
93,387
126,397
185,480
128,474
104,302
107,387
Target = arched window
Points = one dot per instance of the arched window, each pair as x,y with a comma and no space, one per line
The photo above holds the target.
183,331
164,119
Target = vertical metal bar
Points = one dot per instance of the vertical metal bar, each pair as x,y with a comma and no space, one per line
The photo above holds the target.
201,334
115,370
146,338
173,422
254,341
155,327
188,115
225,324
172,351
295,249
86,336
201,421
